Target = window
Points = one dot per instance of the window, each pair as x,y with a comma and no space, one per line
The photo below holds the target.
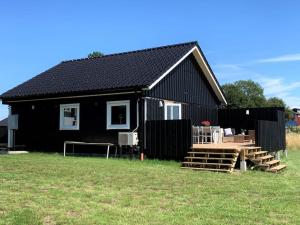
69,117
172,111
118,115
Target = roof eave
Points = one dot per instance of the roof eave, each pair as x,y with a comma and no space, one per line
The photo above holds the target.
70,95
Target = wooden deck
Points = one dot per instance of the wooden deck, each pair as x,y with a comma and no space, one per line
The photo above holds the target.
223,157
222,146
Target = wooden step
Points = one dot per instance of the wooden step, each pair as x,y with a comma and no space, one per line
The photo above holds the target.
263,158
214,153
207,169
221,150
251,147
276,168
208,164
266,157
270,164
208,158
257,154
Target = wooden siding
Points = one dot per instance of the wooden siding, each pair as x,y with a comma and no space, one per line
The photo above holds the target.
237,118
195,113
168,139
268,123
269,135
3,134
39,127
186,83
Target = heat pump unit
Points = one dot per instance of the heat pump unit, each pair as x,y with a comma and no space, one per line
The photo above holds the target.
13,122
128,138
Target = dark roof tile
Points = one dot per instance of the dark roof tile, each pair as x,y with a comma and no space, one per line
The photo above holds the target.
116,71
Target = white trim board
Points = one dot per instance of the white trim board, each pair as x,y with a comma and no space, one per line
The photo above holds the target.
204,67
77,96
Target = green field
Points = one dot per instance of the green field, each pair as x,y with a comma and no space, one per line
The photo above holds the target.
49,189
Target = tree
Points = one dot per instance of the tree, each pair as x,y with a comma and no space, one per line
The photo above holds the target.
95,54
275,102
249,94
244,94
278,102
289,114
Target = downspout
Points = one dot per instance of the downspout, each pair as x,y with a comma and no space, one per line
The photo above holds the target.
138,123
137,116
145,119
10,133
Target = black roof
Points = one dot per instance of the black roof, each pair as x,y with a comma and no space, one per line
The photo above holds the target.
128,70
3,123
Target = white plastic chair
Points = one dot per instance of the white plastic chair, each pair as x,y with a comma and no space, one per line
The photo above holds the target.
206,134
196,135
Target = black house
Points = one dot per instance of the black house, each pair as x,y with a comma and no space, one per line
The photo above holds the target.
93,99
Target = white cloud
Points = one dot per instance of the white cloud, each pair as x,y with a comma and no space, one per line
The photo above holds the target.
274,86
228,73
278,86
283,58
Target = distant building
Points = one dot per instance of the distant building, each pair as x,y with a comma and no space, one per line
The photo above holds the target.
297,116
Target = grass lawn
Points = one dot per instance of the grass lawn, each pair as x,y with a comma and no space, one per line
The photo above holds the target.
49,189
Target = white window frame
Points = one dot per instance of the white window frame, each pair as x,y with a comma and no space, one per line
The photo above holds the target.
61,117
109,105
172,104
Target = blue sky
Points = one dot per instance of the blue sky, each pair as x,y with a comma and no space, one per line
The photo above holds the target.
256,39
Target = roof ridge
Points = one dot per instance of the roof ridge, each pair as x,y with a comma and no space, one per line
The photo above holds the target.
134,51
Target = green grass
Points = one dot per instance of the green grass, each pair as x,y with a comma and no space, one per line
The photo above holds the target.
49,189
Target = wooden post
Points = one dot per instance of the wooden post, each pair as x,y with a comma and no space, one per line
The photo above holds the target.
243,164
64,149
286,153
116,151
107,152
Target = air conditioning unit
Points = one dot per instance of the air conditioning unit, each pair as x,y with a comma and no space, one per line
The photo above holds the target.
128,138
13,122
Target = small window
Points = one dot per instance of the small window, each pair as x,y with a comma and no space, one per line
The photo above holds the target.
118,115
69,117
172,111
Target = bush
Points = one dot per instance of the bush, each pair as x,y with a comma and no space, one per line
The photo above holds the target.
293,130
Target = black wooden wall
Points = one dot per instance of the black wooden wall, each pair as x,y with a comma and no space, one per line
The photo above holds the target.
268,123
188,85
3,134
39,127
168,139
238,119
271,134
